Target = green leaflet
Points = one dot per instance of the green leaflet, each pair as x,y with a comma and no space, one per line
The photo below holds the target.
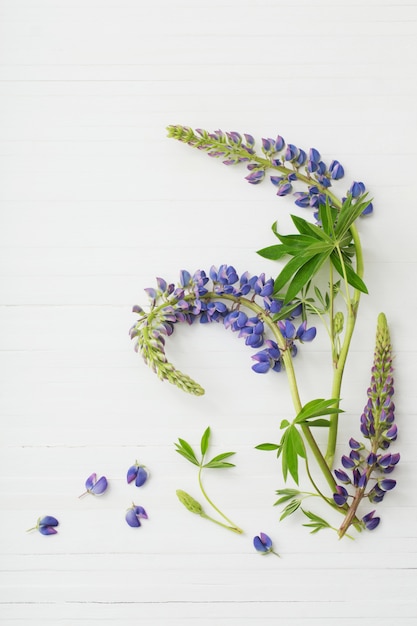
317,408
292,447
316,523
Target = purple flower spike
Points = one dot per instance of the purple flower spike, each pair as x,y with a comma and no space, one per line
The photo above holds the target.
134,514
94,486
263,544
46,525
137,473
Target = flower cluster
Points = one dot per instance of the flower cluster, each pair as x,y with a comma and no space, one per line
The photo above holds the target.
244,303
292,163
366,467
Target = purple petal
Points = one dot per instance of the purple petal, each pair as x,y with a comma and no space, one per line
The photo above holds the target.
131,473
132,519
47,530
266,540
140,512
261,368
100,486
48,520
342,476
141,477
263,543
90,482
387,484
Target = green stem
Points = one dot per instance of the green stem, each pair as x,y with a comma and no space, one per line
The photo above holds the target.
339,366
232,526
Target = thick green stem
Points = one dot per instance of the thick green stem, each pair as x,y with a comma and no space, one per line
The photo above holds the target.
339,365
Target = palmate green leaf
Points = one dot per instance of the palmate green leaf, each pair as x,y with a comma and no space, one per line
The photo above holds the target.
317,408
351,276
187,452
205,441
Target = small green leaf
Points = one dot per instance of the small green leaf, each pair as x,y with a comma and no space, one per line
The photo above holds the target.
292,448
307,228
286,494
317,523
220,457
186,451
205,441
290,509
317,408
284,424
267,446
273,252
351,276
318,422
218,464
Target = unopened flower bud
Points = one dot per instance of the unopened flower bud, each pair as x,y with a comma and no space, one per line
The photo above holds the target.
189,502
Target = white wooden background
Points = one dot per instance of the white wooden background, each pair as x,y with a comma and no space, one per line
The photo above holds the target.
95,203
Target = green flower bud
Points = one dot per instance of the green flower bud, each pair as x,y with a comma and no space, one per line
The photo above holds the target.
338,323
189,502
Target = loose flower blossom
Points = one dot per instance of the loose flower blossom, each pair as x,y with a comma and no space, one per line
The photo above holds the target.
134,515
95,486
137,473
263,544
46,525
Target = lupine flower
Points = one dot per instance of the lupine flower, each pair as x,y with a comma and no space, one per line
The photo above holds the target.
269,358
263,544
46,525
368,466
137,473
95,486
341,495
336,170
134,514
370,521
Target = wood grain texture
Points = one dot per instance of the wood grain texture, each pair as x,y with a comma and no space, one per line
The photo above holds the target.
96,202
